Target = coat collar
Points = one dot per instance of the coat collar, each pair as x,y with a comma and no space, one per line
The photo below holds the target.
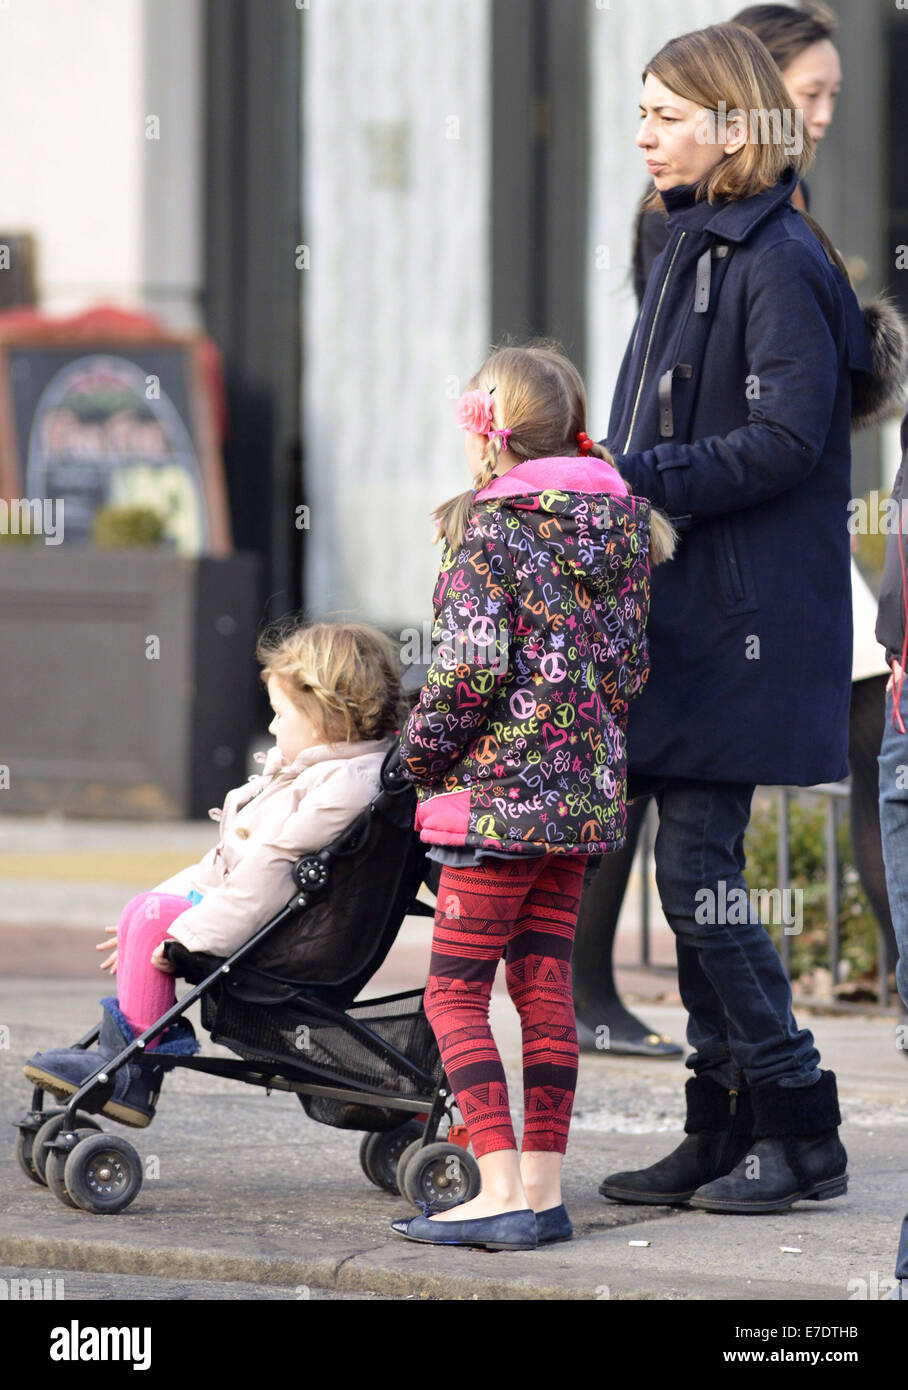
730,220
274,761
568,473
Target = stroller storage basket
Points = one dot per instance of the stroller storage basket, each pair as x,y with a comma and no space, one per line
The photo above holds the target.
331,1049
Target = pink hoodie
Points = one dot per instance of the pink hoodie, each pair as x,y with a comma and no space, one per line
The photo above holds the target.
569,473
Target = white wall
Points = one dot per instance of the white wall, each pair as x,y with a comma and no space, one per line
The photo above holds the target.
173,174
112,211
396,297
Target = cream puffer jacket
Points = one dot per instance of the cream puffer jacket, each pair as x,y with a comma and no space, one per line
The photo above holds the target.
266,824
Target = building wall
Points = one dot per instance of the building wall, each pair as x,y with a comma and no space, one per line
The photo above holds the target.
114,213
172,166
395,298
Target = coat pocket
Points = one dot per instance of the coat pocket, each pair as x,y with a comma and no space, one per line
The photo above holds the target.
736,584
445,814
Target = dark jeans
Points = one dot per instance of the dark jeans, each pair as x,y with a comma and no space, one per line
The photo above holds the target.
730,975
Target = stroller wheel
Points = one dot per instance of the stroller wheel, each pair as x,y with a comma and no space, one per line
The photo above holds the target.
55,1168
379,1153
103,1173
25,1143
48,1131
443,1174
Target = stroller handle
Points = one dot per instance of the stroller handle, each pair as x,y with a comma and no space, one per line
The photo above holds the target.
392,778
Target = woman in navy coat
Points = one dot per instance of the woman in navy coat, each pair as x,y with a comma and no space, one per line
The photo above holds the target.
801,43
731,413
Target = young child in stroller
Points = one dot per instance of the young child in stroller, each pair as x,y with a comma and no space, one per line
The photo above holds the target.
337,703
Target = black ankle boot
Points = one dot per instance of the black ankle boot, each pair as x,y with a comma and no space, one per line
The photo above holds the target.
719,1132
796,1152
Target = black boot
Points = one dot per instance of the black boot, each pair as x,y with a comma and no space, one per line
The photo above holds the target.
796,1154
719,1132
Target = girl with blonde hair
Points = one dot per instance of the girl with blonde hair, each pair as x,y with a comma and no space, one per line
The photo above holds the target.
516,748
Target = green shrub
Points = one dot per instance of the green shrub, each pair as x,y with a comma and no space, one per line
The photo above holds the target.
807,860
116,528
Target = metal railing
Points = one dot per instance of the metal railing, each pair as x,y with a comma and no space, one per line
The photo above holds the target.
836,794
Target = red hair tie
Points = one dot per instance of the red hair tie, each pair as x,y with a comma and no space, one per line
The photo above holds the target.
584,443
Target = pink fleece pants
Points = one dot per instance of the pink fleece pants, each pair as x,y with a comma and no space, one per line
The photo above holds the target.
144,991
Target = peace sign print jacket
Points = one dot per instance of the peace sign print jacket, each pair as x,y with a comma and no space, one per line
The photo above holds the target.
517,741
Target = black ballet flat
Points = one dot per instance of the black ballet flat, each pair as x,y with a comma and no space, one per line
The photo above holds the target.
642,1044
511,1230
553,1225
650,1045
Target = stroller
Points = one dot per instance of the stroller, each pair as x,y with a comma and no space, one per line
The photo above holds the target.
368,1065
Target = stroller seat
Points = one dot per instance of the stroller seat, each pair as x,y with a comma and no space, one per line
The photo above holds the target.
351,898
289,1001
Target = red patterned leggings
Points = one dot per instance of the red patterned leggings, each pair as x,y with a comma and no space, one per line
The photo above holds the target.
527,911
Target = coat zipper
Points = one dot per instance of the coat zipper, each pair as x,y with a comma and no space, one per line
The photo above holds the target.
650,342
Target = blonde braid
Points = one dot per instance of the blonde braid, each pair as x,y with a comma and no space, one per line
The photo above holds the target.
490,462
453,517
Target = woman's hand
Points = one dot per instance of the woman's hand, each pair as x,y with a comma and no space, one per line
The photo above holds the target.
111,962
160,961
897,674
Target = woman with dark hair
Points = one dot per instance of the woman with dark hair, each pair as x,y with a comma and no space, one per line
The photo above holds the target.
732,414
801,43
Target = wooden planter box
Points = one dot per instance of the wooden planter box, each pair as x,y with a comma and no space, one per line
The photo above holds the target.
128,679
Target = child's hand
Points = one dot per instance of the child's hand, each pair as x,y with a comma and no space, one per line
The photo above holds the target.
160,961
111,962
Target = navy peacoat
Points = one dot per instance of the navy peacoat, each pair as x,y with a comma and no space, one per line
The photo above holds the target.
731,413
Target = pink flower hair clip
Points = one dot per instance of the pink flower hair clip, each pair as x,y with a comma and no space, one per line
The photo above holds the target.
474,413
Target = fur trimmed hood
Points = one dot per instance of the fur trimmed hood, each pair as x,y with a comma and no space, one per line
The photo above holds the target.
878,394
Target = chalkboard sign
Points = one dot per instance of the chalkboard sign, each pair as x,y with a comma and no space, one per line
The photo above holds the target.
126,423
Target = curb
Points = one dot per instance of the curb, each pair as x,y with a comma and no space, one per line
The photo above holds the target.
353,1273
340,1276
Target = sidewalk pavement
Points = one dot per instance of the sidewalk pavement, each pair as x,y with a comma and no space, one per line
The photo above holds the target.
250,1194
